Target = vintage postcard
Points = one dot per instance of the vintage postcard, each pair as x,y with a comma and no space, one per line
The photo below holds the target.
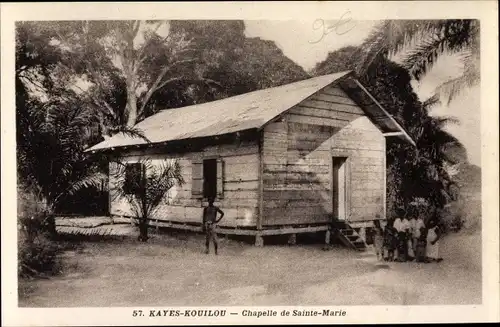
249,163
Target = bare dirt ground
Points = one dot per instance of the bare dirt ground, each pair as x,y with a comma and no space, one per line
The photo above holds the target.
175,271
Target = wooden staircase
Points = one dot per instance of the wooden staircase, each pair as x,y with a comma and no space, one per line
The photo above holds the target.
348,236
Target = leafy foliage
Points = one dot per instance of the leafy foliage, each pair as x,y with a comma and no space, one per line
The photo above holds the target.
346,58
37,258
37,255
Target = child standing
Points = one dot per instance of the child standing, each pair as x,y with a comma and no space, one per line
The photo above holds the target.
405,238
378,239
419,226
412,240
389,241
402,247
433,236
421,245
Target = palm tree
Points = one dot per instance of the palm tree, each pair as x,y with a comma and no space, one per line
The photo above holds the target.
421,43
144,187
51,163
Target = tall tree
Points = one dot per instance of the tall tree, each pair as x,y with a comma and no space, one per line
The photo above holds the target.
421,43
346,58
239,63
140,56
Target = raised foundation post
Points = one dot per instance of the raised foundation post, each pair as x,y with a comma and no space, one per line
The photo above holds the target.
362,233
327,240
259,240
292,239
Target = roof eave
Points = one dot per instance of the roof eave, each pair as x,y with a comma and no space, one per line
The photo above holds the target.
237,134
401,132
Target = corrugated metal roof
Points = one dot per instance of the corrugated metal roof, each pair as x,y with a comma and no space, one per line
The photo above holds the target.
233,114
242,112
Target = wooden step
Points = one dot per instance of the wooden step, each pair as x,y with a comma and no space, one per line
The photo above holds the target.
347,231
350,237
360,246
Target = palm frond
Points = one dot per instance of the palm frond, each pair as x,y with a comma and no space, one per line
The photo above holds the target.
374,47
451,89
440,122
431,102
469,78
425,40
421,59
94,180
129,131
163,177
390,37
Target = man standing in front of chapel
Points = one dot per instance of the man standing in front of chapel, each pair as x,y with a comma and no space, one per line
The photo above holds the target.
210,223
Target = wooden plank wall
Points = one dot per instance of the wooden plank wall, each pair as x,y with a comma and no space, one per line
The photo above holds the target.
241,184
297,155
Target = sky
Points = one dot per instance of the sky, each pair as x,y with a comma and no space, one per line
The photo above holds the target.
306,43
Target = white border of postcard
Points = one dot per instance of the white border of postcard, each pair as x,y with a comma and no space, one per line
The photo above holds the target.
486,11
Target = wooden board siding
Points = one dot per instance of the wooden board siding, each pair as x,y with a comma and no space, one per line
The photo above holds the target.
241,184
297,162
365,145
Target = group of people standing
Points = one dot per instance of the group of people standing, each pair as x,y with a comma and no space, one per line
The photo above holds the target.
407,239
402,239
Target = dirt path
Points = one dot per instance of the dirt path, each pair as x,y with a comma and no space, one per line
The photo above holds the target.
171,271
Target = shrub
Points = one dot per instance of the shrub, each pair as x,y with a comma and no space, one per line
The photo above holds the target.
452,222
37,257
37,254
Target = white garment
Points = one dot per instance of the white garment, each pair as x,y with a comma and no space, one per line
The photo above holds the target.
405,224
398,225
432,250
419,223
411,253
413,224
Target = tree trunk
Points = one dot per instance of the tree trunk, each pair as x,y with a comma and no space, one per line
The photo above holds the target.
131,107
143,230
50,225
48,221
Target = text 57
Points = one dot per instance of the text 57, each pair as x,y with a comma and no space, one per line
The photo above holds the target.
137,313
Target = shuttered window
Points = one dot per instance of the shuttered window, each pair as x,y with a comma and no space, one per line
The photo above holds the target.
220,179
134,177
208,179
197,182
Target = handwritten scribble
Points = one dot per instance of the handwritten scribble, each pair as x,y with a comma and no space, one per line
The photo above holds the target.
341,26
